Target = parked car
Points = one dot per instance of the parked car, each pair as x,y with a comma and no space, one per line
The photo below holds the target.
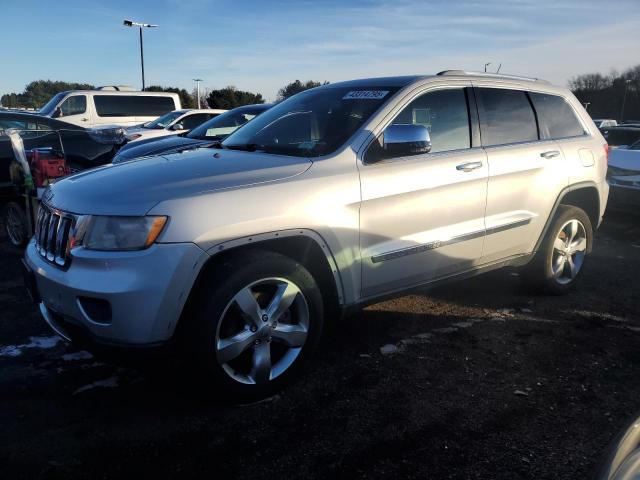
206,134
622,460
604,122
332,199
81,148
621,135
624,177
93,108
172,123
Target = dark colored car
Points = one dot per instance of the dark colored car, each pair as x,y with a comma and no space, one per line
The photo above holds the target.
621,135
83,147
209,132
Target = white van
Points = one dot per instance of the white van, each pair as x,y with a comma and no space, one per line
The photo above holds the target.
109,106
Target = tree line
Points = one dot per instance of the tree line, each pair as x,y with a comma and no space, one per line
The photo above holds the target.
616,95
605,96
39,92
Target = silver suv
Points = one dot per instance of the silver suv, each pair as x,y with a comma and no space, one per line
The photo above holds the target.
330,200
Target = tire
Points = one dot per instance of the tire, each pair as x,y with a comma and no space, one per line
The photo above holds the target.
559,263
246,351
14,224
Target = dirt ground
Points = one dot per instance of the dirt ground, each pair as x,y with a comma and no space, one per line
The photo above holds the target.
489,381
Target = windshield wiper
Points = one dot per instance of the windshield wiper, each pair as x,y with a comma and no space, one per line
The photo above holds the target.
215,144
248,147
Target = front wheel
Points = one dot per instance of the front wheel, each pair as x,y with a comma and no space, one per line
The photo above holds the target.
559,263
258,321
14,220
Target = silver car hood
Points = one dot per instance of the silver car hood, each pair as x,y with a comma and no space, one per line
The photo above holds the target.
134,187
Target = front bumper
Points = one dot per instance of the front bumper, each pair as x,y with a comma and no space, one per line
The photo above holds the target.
146,291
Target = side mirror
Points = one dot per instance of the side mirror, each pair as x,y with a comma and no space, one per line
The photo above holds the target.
57,113
405,140
177,126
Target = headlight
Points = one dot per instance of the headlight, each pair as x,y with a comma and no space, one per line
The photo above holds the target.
108,135
120,233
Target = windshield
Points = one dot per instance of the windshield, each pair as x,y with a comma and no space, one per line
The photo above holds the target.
313,123
164,121
221,126
50,106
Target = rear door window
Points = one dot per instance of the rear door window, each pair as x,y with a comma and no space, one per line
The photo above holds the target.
555,116
506,116
132,106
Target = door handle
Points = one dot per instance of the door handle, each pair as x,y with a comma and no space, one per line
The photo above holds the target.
84,119
467,167
550,154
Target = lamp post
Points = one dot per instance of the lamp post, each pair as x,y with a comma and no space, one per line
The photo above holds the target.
485,66
198,80
130,23
586,105
624,99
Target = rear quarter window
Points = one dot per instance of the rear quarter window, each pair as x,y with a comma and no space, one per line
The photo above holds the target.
555,116
506,116
132,106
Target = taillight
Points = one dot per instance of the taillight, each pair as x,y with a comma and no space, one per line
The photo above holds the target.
606,152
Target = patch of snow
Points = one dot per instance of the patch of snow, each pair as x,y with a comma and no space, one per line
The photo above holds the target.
445,330
81,355
34,342
388,349
106,383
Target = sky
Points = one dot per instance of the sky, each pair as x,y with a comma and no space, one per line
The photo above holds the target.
261,46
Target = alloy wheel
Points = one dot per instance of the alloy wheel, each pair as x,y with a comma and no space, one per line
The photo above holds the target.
262,331
13,225
569,250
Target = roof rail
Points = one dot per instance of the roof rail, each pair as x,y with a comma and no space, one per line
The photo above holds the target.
489,75
118,88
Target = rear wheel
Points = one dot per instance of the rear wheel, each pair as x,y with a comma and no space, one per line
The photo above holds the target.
14,222
258,320
559,263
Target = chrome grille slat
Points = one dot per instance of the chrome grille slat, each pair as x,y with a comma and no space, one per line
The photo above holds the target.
52,235
62,240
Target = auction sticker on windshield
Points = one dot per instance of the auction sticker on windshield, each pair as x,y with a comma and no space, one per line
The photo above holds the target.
365,95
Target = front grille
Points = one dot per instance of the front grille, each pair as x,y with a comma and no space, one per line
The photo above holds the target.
53,229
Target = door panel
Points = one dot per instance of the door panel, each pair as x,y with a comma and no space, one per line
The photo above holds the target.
524,181
421,218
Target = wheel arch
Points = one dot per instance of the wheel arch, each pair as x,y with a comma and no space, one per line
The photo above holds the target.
583,195
303,245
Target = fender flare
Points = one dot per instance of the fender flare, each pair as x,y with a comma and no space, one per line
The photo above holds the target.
279,234
563,193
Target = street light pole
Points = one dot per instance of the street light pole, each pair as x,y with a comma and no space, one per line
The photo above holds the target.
485,66
198,80
624,99
131,23
142,58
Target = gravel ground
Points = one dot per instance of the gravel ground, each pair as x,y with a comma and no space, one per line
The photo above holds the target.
488,381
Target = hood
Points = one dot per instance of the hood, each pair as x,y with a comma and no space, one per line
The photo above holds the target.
154,146
133,188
